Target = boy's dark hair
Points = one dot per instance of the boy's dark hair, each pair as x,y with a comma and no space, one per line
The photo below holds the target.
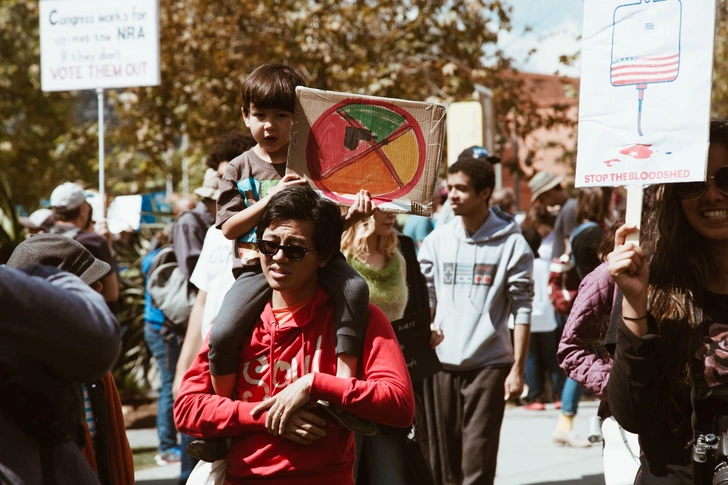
533,238
229,146
304,204
482,175
271,86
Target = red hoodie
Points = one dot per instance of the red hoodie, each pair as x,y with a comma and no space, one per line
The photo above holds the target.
384,395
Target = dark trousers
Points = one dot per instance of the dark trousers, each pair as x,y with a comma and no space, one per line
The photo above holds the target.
473,404
542,357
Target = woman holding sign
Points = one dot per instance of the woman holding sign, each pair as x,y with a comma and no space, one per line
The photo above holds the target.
669,376
382,257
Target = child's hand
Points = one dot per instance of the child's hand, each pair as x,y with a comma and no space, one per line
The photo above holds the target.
362,208
288,180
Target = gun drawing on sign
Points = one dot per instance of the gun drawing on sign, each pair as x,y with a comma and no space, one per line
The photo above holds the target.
645,46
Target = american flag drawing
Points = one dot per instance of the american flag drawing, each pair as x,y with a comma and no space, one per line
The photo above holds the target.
644,70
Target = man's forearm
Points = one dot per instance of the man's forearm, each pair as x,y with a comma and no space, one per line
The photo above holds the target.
521,338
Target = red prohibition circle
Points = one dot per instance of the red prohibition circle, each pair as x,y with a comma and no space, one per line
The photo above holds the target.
326,148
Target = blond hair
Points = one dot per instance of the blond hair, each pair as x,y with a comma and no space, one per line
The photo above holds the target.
355,241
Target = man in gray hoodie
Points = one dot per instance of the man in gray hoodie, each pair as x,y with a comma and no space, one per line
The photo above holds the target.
478,269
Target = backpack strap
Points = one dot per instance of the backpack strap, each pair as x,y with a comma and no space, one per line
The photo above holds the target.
578,230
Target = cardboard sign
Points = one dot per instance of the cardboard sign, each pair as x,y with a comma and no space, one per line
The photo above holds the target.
645,92
413,333
342,143
87,44
464,128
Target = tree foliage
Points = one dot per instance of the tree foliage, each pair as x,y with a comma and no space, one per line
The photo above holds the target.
412,49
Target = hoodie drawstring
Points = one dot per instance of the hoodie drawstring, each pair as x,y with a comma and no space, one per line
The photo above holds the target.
271,363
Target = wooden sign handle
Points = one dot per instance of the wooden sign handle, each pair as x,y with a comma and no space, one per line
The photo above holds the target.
634,211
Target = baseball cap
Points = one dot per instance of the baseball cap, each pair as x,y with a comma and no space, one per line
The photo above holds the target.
477,153
543,182
210,186
40,219
60,252
67,197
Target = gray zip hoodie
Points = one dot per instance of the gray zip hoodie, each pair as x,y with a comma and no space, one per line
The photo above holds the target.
475,282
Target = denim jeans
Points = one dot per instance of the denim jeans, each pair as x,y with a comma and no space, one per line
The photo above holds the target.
166,355
570,397
187,463
542,357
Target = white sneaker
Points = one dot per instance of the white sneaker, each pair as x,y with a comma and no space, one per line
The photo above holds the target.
569,438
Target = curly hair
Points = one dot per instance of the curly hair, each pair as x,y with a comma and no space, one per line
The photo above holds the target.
229,146
355,240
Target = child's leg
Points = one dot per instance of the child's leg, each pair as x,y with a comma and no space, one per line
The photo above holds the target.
350,295
240,310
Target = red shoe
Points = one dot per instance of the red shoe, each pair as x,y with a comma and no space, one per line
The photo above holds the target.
535,406
557,405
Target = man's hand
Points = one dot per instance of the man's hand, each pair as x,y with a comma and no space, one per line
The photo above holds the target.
514,384
362,208
281,406
289,180
304,427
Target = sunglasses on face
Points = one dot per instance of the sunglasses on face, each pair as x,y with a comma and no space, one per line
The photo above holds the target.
695,190
291,251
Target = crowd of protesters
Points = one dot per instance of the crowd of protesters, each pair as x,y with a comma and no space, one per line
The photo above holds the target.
278,360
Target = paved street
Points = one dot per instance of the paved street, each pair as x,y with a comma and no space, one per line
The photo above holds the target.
527,455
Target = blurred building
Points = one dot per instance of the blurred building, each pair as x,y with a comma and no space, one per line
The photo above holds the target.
552,149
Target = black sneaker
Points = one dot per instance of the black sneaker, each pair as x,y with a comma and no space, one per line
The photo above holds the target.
351,422
208,450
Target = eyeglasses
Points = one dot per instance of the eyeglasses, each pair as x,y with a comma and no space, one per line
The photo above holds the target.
695,190
291,251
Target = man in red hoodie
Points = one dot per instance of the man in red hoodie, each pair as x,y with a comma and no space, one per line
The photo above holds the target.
278,435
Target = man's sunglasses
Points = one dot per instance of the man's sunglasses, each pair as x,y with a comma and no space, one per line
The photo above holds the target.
695,190
291,251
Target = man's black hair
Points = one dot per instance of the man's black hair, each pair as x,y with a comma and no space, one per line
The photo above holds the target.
304,204
482,175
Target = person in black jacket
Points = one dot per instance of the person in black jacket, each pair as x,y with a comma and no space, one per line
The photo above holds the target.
104,440
669,369
55,331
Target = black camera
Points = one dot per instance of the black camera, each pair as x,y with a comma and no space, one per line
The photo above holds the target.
710,459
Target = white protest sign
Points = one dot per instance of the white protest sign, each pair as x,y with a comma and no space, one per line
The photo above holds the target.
88,44
644,105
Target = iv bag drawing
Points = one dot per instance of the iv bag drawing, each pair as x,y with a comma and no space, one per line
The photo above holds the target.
645,46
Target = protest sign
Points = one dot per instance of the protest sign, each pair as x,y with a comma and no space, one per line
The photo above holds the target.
645,92
413,334
87,44
464,128
342,143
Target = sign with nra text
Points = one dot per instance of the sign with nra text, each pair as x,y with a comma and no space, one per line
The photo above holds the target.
88,44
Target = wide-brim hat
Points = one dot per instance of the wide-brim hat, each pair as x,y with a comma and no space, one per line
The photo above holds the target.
543,182
60,252
210,186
